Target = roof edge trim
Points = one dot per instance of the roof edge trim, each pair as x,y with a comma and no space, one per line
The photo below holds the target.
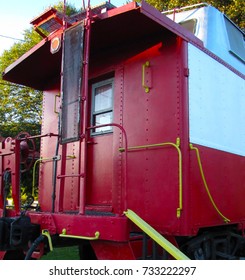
174,27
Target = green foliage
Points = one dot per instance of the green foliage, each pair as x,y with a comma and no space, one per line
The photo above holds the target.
234,9
70,9
20,107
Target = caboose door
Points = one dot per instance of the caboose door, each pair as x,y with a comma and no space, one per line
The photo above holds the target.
99,157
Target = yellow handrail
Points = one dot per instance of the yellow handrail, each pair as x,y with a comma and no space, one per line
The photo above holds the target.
34,172
156,236
40,160
144,66
177,146
46,233
95,237
226,220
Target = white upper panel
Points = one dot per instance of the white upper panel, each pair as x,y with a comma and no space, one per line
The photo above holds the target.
219,35
216,104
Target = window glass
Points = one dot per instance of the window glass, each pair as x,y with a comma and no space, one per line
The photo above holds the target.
103,118
236,39
190,25
103,97
102,103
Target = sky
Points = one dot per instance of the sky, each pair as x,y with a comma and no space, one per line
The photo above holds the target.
15,16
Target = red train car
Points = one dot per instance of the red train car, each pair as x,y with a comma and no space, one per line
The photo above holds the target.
142,143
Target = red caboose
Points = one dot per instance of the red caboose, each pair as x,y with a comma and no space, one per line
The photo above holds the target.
140,140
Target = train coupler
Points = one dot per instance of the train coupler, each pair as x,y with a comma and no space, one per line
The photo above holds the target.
17,233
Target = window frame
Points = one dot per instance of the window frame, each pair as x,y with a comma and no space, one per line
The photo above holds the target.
107,110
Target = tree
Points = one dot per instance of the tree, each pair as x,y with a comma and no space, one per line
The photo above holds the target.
70,9
20,108
234,9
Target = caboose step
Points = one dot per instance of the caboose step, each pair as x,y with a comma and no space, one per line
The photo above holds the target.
156,236
99,210
99,213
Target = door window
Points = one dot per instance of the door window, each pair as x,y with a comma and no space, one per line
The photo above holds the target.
102,106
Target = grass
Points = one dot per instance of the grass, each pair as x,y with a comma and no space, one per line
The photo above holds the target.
64,253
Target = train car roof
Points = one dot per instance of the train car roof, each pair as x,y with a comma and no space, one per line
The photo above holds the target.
111,28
